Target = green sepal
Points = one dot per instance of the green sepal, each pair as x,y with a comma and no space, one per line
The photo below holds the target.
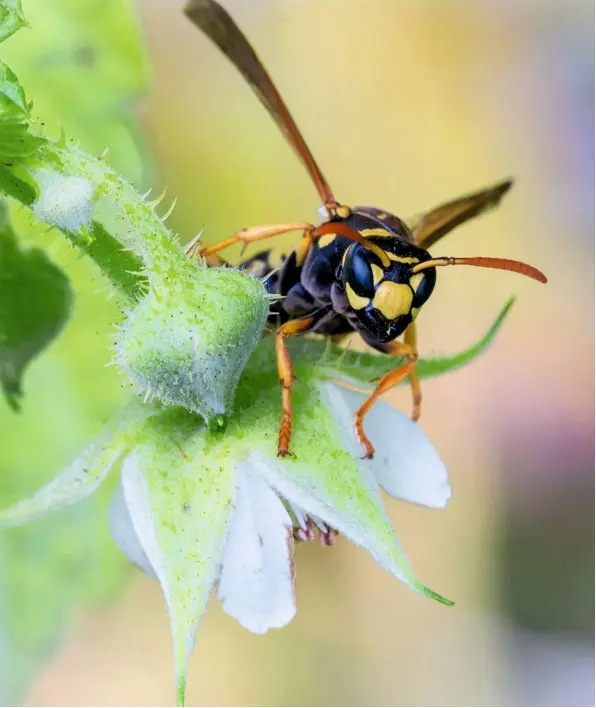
363,368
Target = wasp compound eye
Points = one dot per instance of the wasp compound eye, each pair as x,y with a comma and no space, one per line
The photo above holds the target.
357,271
423,287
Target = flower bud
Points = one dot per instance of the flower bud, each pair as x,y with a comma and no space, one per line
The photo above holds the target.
188,339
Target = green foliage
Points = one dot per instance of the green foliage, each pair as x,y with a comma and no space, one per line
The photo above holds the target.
15,139
12,96
11,18
83,63
35,301
363,368
18,185
45,573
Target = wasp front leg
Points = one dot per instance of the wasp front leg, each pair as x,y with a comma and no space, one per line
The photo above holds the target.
253,234
406,349
293,328
310,232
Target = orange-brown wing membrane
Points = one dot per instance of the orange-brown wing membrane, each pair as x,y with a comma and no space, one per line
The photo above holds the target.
217,24
440,221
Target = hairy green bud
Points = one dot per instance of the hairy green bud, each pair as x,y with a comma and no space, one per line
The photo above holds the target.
189,338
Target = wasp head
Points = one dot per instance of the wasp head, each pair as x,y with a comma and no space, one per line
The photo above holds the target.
381,290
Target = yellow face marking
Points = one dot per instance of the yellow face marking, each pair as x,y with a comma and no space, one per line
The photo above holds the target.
343,211
378,273
356,302
414,312
382,216
402,259
326,240
393,299
415,281
381,233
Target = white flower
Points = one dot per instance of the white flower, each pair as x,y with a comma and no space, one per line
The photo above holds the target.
195,509
271,501
198,509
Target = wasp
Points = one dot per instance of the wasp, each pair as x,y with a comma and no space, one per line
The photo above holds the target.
362,270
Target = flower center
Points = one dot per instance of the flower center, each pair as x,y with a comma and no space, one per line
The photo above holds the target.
306,527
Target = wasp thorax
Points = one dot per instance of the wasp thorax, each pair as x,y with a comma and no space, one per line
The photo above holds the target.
381,289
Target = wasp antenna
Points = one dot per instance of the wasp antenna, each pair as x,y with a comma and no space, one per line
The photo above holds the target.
482,262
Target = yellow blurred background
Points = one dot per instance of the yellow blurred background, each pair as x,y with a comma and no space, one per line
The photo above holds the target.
405,104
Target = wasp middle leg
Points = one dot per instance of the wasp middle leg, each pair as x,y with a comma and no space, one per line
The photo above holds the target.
406,349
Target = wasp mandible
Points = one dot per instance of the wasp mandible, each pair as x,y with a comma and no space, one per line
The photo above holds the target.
363,269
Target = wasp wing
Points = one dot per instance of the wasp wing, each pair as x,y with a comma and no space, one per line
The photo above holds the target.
438,222
210,17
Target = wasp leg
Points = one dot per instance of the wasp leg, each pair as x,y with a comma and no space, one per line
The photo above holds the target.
256,233
387,382
192,251
411,339
309,231
293,328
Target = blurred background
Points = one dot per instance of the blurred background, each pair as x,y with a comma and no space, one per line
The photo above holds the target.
405,104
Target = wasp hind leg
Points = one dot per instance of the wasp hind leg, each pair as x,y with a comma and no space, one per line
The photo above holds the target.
406,349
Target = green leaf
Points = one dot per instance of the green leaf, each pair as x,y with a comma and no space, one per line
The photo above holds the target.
35,301
443,365
83,64
12,18
12,96
17,184
67,557
16,141
363,368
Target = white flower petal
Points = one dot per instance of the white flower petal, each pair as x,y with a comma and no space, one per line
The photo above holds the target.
77,481
406,463
124,534
328,479
256,585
